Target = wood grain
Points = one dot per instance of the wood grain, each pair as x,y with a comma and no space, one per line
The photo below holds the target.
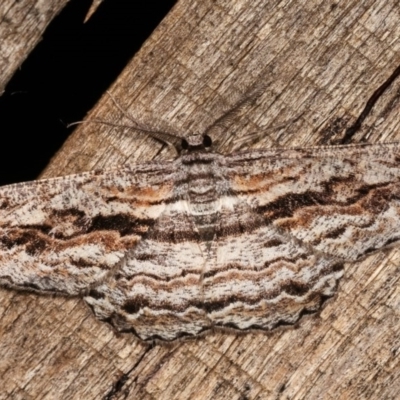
318,60
22,24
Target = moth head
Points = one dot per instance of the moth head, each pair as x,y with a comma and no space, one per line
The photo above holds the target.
196,143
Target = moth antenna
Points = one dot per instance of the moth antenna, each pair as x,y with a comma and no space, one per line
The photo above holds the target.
169,139
253,93
253,137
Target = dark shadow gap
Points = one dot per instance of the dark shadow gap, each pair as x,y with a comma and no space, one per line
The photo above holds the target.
65,75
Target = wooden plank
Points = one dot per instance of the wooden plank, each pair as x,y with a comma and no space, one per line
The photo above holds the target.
22,24
318,60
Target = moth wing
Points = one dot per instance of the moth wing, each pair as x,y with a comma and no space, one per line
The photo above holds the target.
157,291
340,201
289,221
66,234
261,277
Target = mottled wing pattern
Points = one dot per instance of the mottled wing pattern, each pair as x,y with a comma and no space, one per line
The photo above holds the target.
246,241
260,277
65,235
295,216
157,292
341,201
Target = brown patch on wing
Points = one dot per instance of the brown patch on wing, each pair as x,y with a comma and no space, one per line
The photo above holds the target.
148,195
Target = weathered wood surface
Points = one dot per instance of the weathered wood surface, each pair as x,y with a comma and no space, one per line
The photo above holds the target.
22,24
321,60
93,8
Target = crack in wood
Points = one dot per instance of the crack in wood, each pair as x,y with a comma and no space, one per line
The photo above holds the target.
350,131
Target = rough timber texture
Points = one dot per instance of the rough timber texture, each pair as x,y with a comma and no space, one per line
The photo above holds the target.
95,5
323,61
22,24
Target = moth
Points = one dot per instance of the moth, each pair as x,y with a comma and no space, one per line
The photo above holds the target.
172,249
